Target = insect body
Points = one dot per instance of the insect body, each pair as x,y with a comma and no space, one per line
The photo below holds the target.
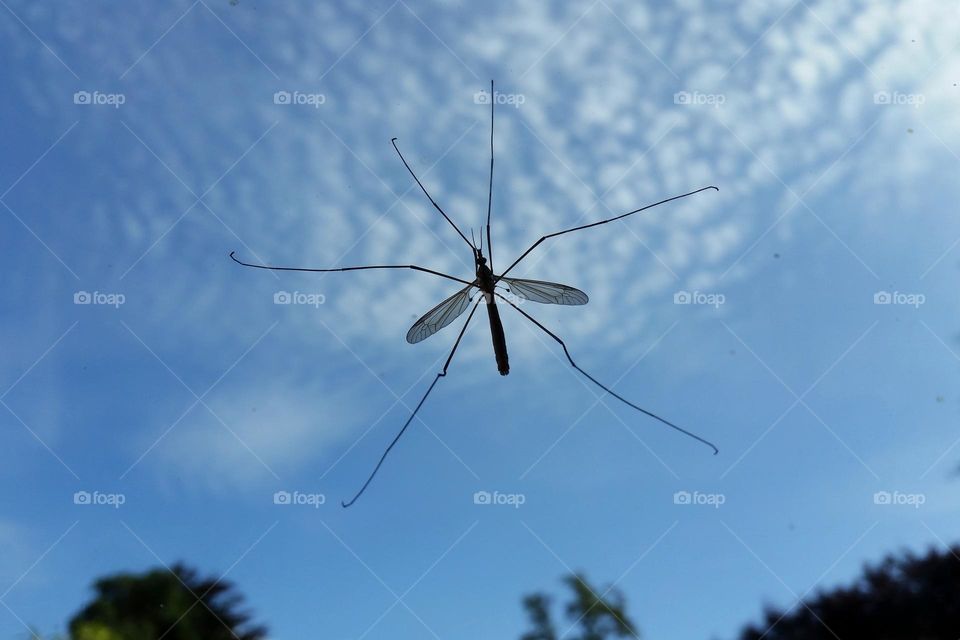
486,282
484,288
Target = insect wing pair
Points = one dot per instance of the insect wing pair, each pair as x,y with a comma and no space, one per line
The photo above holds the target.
454,306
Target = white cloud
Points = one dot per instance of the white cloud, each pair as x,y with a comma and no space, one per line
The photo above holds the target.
595,95
272,428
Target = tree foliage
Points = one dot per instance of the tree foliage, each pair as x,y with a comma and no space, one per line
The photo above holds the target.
596,614
902,598
176,604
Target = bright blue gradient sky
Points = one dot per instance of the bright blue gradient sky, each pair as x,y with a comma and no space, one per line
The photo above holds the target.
198,397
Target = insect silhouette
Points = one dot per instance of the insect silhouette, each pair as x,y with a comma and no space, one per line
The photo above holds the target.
484,288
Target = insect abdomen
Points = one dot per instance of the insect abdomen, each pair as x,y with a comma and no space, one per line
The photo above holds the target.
499,340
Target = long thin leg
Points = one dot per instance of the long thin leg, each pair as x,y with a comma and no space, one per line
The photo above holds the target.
490,194
378,266
419,404
596,224
604,387
393,141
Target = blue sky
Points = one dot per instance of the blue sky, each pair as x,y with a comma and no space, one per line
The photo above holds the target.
143,143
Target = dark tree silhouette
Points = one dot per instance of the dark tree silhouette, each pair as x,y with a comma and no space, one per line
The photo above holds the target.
906,598
538,610
597,614
175,604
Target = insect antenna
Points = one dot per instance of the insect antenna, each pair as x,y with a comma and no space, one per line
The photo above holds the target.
393,141
490,191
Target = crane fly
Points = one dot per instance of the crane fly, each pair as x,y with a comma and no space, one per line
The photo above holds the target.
483,288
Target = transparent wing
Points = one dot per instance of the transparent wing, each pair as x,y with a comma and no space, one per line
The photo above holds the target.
440,316
546,292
